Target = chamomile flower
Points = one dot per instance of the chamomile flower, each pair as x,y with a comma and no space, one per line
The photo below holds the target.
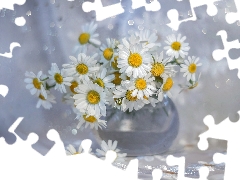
149,39
189,68
176,46
93,121
191,84
83,67
126,99
90,99
113,102
34,84
141,87
68,97
134,60
151,100
111,146
161,67
88,35
70,150
103,80
46,102
108,52
165,88
57,77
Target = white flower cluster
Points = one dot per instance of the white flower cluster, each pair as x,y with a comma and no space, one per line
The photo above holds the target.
125,74
105,147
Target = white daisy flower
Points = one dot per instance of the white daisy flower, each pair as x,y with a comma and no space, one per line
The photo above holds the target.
103,80
83,67
151,100
127,101
114,102
90,99
93,121
190,85
111,146
176,46
57,77
149,39
161,67
68,98
88,35
46,102
165,88
134,60
141,87
34,84
70,150
190,67
108,53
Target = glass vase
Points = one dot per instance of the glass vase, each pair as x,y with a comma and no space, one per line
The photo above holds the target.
148,131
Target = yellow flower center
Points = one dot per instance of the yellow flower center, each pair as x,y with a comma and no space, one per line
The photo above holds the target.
93,97
117,80
84,38
108,53
145,97
130,97
192,68
176,46
99,82
42,97
82,69
135,60
157,69
36,83
58,78
74,84
168,84
76,153
140,84
115,63
118,101
90,119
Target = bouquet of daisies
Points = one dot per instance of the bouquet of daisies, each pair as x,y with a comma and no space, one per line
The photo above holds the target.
123,73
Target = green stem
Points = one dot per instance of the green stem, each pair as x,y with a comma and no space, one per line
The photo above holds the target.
49,87
44,79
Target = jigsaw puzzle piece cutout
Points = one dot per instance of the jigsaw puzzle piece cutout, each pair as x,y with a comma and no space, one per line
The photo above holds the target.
219,158
58,148
212,5
231,135
5,131
157,174
232,17
12,46
199,28
151,6
219,54
183,9
101,11
10,3
212,10
3,90
206,29
20,148
180,162
234,53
